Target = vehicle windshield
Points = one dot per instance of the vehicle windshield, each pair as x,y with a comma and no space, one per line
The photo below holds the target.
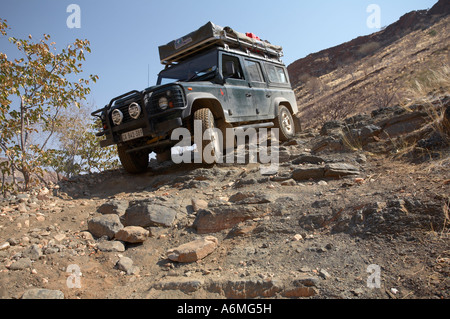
196,69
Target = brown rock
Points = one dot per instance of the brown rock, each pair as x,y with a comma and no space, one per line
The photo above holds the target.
198,204
194,250
220,218
132,234
300,292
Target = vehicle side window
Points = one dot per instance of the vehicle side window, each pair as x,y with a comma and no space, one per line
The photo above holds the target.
237,65
276,74
254,71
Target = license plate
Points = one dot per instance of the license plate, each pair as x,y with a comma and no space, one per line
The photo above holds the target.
131,135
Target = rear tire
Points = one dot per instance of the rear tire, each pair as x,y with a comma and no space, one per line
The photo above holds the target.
134,162
285,123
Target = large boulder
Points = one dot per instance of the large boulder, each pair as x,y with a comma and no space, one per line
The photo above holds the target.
147,214
105,225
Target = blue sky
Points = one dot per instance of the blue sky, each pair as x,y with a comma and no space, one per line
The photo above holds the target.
125,35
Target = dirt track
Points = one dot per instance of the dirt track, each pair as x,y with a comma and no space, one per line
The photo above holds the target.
389,215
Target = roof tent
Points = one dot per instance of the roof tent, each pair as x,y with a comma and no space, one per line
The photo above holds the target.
211,35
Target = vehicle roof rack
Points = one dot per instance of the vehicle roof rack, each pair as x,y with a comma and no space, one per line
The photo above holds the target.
211,35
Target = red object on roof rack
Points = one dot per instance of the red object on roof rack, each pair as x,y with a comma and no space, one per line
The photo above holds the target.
252,36
211,35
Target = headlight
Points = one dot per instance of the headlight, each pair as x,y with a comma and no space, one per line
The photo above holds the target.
117,117
163,103
134,110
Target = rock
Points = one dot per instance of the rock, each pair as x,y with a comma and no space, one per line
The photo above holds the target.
307,172
198,204
22,263
113,206
132,234
361,158
299,292
329,144
34,252
242,229
321,203
145,214
220,218
103,225
396,216
331,128
5,245
246,198
194,250
38,293
289,182
86,236
246,288
59,237
22,208
185,285
111,246
308,281
367,133
324,274
308,159
338,170
126,264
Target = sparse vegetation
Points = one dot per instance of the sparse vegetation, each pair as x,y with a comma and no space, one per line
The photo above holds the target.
36,88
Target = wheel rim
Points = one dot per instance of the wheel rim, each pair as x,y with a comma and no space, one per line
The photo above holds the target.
286,122
214,139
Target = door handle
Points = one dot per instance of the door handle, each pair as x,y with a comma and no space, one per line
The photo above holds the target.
248,95
268,95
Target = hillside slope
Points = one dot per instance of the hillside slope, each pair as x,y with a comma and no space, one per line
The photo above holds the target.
373,71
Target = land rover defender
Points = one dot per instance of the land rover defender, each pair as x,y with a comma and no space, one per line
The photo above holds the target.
221,77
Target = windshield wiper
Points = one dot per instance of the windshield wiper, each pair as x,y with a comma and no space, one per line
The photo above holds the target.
202,75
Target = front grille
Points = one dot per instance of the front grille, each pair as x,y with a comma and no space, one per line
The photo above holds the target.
173,94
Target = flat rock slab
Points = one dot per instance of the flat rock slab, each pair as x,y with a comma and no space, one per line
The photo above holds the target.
111,246
194,250
43,294
113,206
220,218
333,170
145,214
132,234
310,171
338,170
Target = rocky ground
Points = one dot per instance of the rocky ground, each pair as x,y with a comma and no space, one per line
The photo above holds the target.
332,223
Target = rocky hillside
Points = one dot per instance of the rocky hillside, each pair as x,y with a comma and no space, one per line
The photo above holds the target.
333,214
377,70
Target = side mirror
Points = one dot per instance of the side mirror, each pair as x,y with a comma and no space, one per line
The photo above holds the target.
230,69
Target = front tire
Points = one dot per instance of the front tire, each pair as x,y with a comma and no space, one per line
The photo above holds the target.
213,144
133,162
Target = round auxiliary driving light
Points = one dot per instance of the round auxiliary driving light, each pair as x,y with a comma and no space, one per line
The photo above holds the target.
163,103
134,110
117,117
